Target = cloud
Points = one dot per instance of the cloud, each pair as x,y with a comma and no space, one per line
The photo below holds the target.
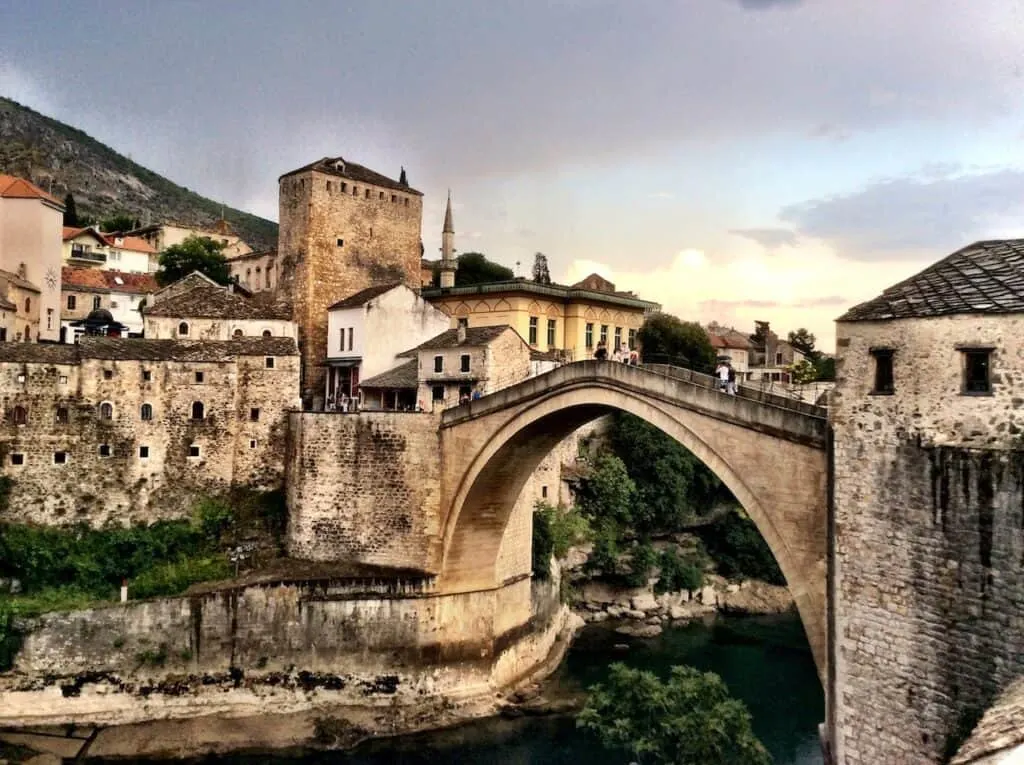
761,5
769,238
829,132
921,215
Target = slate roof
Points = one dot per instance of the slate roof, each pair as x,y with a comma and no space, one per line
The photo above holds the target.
985,277
97,280
999,730
207,300
12,187
475,337
7,305
138,349
403,376
354,172
18,281
250,255
727,337
364,296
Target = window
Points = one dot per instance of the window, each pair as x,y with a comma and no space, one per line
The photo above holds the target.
394,198
618,338
143,452
254,414
438,364
269,362
3,334
328,187
21,377
632,339
60,458
884,380
463,322
95,302
437,393
552,326
341,339
200,376
533,330
72,302
17,459
198,410
380,195
19,415
63,379
106,411
113,304
28,305
146,375
49,318
62,415
350,338
28,334
267,275
366,193
108,374
104,450
977,369
406,201
778,358
604,334
252,443
193,450
146,412
544,492
344,187
589,335
183,329
464,362
266,333
355,191
465,391
237,333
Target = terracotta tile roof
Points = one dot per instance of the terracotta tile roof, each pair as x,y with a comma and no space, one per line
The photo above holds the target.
475,338
132,244
97,280
985,277
354,172
12,187
403,376
71,232
364,296
132,349
18,281
727,337
207,300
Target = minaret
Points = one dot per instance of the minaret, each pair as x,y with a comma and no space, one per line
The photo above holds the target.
448,263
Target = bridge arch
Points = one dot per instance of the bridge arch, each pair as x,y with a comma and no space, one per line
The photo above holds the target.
513,440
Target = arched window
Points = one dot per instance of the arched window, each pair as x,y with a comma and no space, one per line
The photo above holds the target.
198,410
146,412
237,333
28,305
183,329
19,415
28,334
106,411
267,333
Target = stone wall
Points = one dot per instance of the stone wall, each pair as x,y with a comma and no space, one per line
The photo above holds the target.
125,463
334,242
364,488
928,586
168,328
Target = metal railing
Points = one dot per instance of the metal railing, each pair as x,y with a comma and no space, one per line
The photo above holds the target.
91,255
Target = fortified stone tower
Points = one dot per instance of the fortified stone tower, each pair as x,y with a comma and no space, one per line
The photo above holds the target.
343,227
448,262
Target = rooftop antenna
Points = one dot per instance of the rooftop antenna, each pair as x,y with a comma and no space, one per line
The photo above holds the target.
517,269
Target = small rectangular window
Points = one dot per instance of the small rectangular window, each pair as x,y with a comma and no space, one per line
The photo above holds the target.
552,327
104,450
17,459
604,334
269,362
618,338
21,378
254,414
884,380
350,338
199,377
63,379
72,302
62,415
108,374
589,335
438,364
143,452
341,339
533,330
252,443
193,451
463,322
632,339
60,458
437,393
544,492
146,375
464,362
341,242
977,371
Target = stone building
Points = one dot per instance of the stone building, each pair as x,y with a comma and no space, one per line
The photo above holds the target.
84,290
343,228
197,308
136,430
366,332
21,300
31,223
256,271
928,588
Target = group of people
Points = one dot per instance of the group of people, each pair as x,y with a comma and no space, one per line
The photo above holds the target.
726,377
621,354
465,398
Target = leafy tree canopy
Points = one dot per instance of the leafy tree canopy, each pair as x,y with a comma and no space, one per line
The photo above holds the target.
667,338
475,268
197,253
804,341
608,494
119,222
803,371
690,719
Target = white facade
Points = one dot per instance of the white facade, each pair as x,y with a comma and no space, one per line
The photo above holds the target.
31,234
123,256
170,328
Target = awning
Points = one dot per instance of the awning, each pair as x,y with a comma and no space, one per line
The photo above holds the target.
342,362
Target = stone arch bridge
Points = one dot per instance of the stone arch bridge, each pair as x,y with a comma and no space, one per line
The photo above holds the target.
769,450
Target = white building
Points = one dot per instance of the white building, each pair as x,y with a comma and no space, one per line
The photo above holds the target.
93,289
366,332
90,247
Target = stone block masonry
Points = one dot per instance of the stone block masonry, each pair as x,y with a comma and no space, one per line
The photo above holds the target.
364,488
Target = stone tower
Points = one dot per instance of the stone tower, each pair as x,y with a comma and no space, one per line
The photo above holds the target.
448,263
343,228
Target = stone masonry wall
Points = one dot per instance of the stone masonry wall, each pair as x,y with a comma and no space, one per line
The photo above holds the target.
364,488
380,243
929,490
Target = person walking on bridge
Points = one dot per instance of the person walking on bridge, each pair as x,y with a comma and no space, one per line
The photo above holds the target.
730,387
723,376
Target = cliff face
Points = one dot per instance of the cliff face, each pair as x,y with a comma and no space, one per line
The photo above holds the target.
61,158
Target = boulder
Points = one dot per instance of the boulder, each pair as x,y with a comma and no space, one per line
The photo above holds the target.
640,630
638,615
615,612
708,596
644,602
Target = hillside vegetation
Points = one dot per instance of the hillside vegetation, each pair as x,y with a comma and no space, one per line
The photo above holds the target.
60,158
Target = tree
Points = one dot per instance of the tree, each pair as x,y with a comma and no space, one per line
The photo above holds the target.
475,268
690,719
825,367
803,341
803,372
119,222
70,211
402,178
608,493
197,253
665,338
541,275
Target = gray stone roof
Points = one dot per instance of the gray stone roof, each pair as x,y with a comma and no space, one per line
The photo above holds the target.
475,337
207,300
1001,728
354,172
403,376
138,349
364,296
985,277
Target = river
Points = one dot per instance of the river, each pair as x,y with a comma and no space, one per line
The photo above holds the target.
765,661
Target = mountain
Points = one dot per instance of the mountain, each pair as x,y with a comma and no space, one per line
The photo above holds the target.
60,158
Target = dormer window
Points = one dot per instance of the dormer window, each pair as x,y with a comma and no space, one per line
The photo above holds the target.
885,383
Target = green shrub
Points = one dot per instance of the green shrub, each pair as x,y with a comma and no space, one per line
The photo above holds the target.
173,578
678,572
568,527
641,561
739,550
543,545
605,555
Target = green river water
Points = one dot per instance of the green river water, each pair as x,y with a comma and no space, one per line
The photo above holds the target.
765,661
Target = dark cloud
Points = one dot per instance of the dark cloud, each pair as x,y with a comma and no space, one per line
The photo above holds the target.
769,238
914,216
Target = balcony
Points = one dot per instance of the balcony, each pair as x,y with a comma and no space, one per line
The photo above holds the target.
87,256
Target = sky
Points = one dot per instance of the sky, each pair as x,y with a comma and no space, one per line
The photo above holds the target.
734,160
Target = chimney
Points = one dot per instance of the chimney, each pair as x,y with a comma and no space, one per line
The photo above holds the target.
460,334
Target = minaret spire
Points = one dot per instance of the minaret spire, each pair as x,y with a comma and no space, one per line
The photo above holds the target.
448,262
